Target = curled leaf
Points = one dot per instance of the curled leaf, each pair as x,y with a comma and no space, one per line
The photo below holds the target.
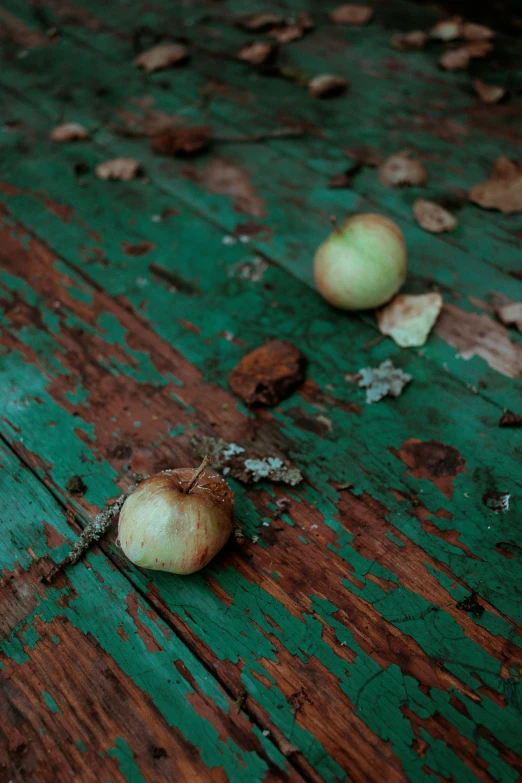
410,42
409,319
162,56
327,86
180,141
69,131
401,169
118,168
351,14
489,93
447,29
432,217
257,52
503,190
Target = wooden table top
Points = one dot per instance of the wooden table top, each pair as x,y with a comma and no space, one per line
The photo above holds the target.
336,643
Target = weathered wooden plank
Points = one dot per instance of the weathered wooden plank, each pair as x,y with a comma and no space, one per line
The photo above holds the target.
291,628
94,685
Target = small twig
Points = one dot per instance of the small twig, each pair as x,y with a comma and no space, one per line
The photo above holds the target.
276,133
91,533
197,474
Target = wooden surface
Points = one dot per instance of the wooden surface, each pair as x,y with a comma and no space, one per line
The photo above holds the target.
330,646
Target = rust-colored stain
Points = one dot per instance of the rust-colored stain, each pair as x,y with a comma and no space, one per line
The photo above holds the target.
223,176
432,460
53,537
140,249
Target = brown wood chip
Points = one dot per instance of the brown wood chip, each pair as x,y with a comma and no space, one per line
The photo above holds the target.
269,374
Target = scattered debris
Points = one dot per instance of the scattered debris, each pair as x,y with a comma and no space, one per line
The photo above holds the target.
459,59
477,32
384,380
76,486
248,464
410,42
257,52
432,217
447,29
489,93
401,169
345,178
256,23
250,270
281,507
496,501
503,189
509,419
409,319
119,168
269,374
351,14
162,56
510,314
69,131
180,141
471,605
327,85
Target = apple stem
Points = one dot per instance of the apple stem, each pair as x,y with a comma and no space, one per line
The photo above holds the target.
197,474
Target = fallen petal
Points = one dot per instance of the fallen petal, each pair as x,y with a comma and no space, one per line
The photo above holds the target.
489,93
327,86
503,190
432,217
69,131
118,168
162,56
351,14
400,169
409,319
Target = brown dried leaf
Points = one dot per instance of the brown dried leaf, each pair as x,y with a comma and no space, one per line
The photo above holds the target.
479,49
269,374
351,14
327,85
509,419
489,93
287,33
409,319
477,32
511,314
448,29
257,52
180,141
503,190
410,42
258,22
69,131
118,168
432,217
162,56
401,169
455,59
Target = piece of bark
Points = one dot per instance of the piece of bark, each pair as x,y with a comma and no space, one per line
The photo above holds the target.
432,217
410,42
488,93
503,189
408,320
180,141
401,169
327,85
351,14
257,52
269,374
69,131
118,169
162,56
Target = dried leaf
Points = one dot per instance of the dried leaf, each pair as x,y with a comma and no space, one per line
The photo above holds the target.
448,29
509,419
351,14
479,49
118,168
327,86
69,131
477,32
410,42
162,56
503,190
269,374
257,52
409,319
180,141
432,217
511,314
401,169
382,381
287,33
455,59
259,22
489,93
